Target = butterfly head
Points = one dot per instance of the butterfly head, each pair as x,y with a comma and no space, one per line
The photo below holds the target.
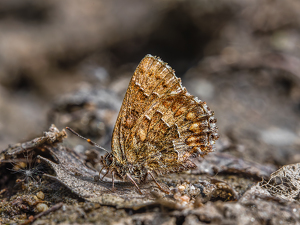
107,160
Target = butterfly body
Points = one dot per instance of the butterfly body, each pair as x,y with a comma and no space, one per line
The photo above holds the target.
137,171
160,125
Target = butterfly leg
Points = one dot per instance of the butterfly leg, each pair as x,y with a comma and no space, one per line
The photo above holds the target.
113,180
135,184
100,171
167,192
104,174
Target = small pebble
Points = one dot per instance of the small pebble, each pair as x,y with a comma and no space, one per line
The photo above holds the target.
181,188
40,195
177,195
185,198
42,207
30,199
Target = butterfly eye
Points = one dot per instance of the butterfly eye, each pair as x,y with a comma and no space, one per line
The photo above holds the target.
108,159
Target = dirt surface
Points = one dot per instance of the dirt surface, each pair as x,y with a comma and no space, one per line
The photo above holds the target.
69,63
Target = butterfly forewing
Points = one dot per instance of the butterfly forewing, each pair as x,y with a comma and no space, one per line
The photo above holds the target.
160,125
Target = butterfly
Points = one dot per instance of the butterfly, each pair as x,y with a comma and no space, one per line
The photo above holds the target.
160,127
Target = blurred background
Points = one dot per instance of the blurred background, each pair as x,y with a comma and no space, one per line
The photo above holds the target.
69,63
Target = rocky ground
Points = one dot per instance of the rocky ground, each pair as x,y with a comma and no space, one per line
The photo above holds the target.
69,63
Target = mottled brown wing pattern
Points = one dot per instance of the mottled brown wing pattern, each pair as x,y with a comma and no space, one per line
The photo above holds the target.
160,125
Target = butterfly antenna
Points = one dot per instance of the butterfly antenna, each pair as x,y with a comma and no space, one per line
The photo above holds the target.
88,140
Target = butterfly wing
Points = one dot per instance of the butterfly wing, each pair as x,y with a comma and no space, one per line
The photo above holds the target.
160,125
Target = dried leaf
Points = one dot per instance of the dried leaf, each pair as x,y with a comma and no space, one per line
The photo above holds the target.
79,178
285,182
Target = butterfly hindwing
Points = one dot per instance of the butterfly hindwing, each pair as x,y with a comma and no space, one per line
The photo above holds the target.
160,124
